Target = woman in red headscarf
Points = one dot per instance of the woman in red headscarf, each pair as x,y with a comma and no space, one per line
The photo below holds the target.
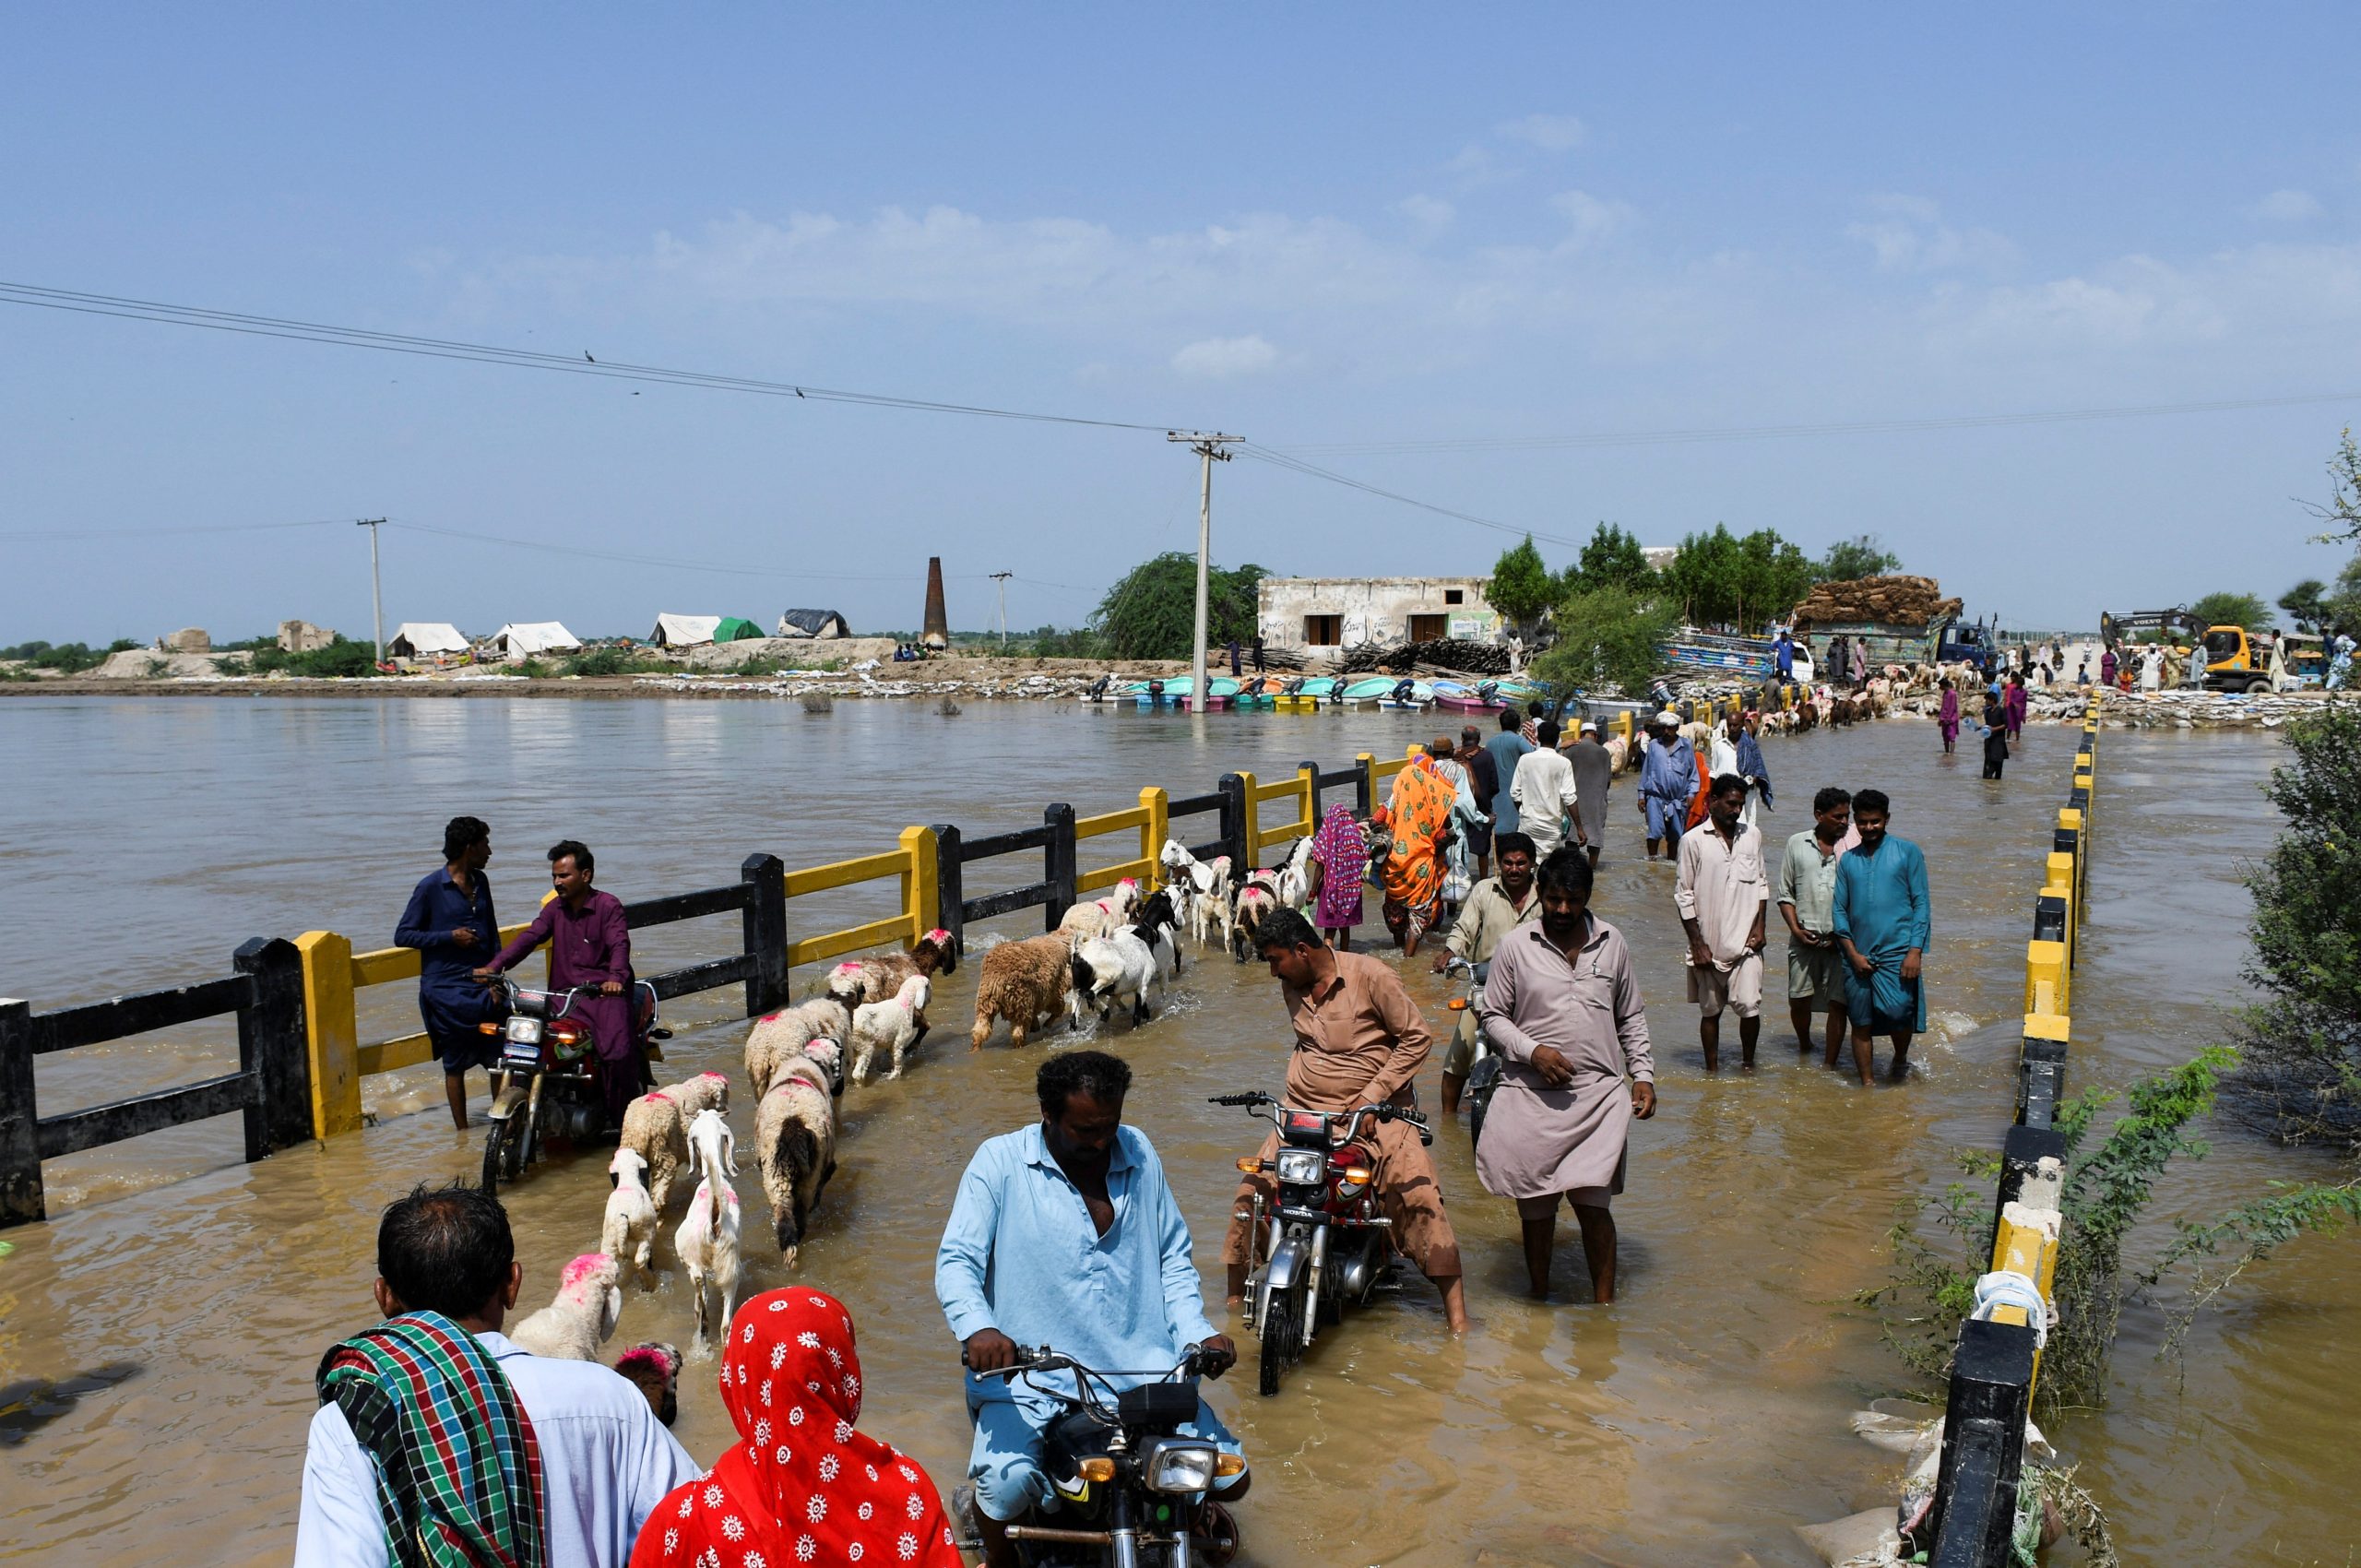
799,1485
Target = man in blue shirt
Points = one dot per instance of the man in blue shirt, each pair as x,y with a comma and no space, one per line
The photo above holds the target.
1881,916
449,921
1506,749
1066,1234
1784,653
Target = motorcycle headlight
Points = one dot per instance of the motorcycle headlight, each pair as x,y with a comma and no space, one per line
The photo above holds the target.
1301,1167
1183,1467
524,1030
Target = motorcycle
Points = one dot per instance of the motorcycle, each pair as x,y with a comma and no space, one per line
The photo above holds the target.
1483,1072
546,1086
1326,1242
1138,1491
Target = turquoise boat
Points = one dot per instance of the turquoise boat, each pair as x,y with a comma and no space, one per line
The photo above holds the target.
1422,696
1366,690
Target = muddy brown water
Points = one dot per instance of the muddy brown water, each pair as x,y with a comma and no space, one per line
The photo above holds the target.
158,1336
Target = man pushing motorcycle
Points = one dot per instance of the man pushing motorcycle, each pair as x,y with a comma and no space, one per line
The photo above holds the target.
1066,1234
1358,1041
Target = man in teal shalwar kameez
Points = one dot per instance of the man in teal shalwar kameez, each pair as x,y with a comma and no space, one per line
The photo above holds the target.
1881,922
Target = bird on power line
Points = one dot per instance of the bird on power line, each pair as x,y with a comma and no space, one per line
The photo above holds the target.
586,354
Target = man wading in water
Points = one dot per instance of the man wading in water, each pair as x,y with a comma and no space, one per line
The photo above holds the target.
449,921
1881,922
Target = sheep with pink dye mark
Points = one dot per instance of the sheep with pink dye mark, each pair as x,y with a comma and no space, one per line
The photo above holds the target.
590,1302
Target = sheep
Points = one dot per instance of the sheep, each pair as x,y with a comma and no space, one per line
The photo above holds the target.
1028,982
881,977
1120,967
1256,901
573,1326
655,1127
777,1037
1101,917
795,1147
707,1239
894,1025
655,1369
1297,877
630,1224
1204,891
1159,929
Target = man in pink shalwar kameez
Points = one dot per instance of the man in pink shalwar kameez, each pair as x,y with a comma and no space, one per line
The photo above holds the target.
1562,1006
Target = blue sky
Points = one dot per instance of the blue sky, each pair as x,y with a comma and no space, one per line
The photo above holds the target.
1348,232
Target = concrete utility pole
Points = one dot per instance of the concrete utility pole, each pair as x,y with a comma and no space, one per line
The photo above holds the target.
376,597
1209,447
1002,578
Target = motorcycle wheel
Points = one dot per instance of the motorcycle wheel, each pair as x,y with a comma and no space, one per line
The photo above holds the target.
494,1151
514,1152
1282,1338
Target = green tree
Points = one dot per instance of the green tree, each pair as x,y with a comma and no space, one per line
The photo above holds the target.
1151,612
1522,588
1612,559
2305,604
2342,513
2344,604
1722,579
1607,636
1863,555
2220,609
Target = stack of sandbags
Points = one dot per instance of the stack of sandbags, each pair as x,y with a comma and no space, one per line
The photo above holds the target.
1899,600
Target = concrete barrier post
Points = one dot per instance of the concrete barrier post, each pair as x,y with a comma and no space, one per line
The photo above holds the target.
2044,973
1365,792
1310,773
1155,831
332,1030
1235,800
2041,1070
2033,1172
272,1045
920,888
950,886
21,1195
1984,1443
1057,863
763,923
1251,810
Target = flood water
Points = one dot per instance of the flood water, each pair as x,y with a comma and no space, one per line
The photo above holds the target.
1693,1422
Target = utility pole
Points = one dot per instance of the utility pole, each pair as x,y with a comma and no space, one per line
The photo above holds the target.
376,596
1002,578
1209,447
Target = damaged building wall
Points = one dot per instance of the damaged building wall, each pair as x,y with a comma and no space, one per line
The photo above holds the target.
1318,614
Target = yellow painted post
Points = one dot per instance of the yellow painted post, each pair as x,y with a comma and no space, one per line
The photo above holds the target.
1623,727
333,1030
1154,831
2027,1243
1254,826
2046,977
921,893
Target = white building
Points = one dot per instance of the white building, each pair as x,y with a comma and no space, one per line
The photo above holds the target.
1327,614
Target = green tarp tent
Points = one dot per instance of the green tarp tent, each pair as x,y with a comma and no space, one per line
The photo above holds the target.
735,629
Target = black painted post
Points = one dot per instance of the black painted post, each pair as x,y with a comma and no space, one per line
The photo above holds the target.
1233,790
763,921
1364,796
2041,1082
272,1046
20,1193
1984,1446
1057,863
2021,1155
951,885
1312,769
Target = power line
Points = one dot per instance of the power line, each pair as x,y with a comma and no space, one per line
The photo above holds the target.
164,313
1785,431
1297,464
77,534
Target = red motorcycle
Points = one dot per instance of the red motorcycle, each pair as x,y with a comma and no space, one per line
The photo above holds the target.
1322,1243
547,1083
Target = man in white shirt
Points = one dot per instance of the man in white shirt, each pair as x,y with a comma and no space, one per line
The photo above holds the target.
1543,791
606,1461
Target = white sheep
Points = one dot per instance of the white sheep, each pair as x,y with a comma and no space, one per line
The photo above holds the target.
1297,876
707,1239
1204,887
1122,968
1159,929
583,1317
1028,983
655,1128
1101,917
630,1225
795,1145
1256,903
777,1037
893,1025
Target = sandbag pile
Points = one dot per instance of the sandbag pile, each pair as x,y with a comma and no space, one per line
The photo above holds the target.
1900,601
1443,653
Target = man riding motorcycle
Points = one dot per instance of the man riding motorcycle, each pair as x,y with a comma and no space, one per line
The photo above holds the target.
1066,1234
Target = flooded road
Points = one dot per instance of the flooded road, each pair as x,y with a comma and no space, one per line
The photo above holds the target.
1693,1422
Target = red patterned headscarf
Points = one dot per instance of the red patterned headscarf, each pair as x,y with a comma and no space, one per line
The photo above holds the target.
800,1485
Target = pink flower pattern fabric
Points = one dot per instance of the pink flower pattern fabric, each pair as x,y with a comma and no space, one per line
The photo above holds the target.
809,1490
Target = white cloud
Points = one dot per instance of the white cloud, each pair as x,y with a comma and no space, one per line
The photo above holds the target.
1218,357
1907,234
1475,166
1593,218
1550,133
2288,207
1428,212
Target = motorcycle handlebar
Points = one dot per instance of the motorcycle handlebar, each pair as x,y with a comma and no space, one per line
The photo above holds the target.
1255,1098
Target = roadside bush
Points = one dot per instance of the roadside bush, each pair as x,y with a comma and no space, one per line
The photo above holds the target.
341,659
615,661
66,658
1607,636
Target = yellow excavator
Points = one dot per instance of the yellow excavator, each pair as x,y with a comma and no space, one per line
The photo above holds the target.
2231,660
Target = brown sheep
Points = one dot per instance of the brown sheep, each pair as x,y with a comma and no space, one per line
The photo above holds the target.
1027,983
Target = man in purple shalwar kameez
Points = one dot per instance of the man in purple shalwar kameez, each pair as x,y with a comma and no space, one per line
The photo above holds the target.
590,945
1562,1006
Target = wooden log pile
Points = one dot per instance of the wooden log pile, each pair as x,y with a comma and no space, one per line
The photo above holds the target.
1900,601
1443,653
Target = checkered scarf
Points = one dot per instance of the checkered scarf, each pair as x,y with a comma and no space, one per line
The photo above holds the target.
458,1471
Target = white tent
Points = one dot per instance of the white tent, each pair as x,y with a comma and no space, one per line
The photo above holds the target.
523,638
685,631
423,639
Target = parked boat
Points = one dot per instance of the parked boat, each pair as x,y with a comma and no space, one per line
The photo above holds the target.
1482,696
1408,696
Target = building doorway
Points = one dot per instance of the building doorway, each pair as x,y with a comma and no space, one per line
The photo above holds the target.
1428,628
